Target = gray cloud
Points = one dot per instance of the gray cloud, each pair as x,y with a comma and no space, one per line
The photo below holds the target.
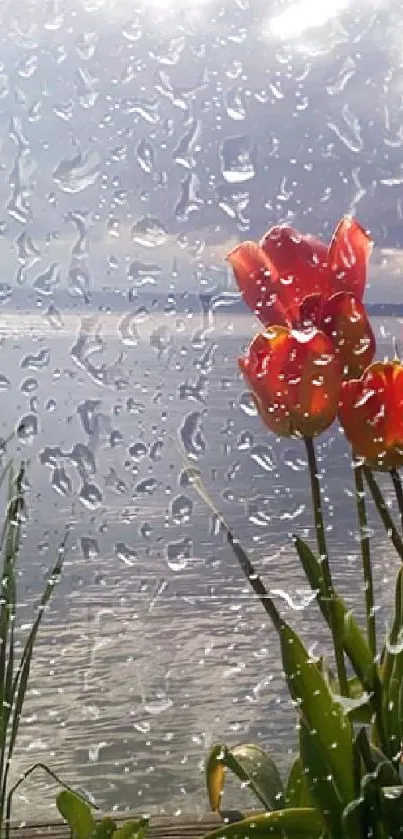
199,120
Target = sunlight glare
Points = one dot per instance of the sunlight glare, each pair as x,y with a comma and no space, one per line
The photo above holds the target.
304,15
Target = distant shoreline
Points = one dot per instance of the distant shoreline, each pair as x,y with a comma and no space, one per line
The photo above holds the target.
27,299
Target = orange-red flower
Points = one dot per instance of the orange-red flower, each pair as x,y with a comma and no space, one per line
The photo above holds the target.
295,377
371,412
293,280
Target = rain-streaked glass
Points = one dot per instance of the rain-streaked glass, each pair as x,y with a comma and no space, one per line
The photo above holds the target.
139,143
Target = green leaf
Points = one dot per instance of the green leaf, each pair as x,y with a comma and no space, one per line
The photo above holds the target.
392,677
320,783
357,705
253,766
135,829
105,829
354,642
76,813
297,792
391,717
378,772
320,712
374,761
388,655
304,823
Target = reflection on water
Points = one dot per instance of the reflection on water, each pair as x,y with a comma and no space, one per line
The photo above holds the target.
154,647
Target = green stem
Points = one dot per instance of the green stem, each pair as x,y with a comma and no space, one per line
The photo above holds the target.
398,487
366,556
383,511
324,560
253,578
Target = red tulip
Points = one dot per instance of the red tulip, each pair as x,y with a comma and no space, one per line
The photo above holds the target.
295,377
371,413
293,280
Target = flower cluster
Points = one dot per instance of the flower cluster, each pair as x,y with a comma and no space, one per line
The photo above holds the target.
314,360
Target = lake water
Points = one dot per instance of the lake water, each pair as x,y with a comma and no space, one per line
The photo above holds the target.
153,648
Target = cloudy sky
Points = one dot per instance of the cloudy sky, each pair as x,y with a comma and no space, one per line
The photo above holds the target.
163,135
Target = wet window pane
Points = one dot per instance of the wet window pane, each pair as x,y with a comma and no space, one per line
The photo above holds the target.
139,143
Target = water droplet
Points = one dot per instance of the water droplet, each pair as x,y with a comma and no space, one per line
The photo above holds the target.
149,232
258,511
264,457
138,450
156,450
247,404
235,103
36,362
237,159
184,152
189,200
89,547
4,383
61,482
79,281
145,156
161,339
191,434
146,487
90,496
158,706
143,273
78,173
244,441
126,554
29,385
178,553
181,509
46,283
27,428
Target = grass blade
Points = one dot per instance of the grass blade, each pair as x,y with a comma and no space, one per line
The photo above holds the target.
20,681
11,543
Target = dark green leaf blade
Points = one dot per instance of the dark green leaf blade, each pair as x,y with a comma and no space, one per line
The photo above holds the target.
297,793
254,768
260,773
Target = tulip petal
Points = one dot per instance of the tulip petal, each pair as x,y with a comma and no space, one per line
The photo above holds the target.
371,412
394,409
349,253
262,368
313,373
253,274
310,311
295,377
300,266
345,321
